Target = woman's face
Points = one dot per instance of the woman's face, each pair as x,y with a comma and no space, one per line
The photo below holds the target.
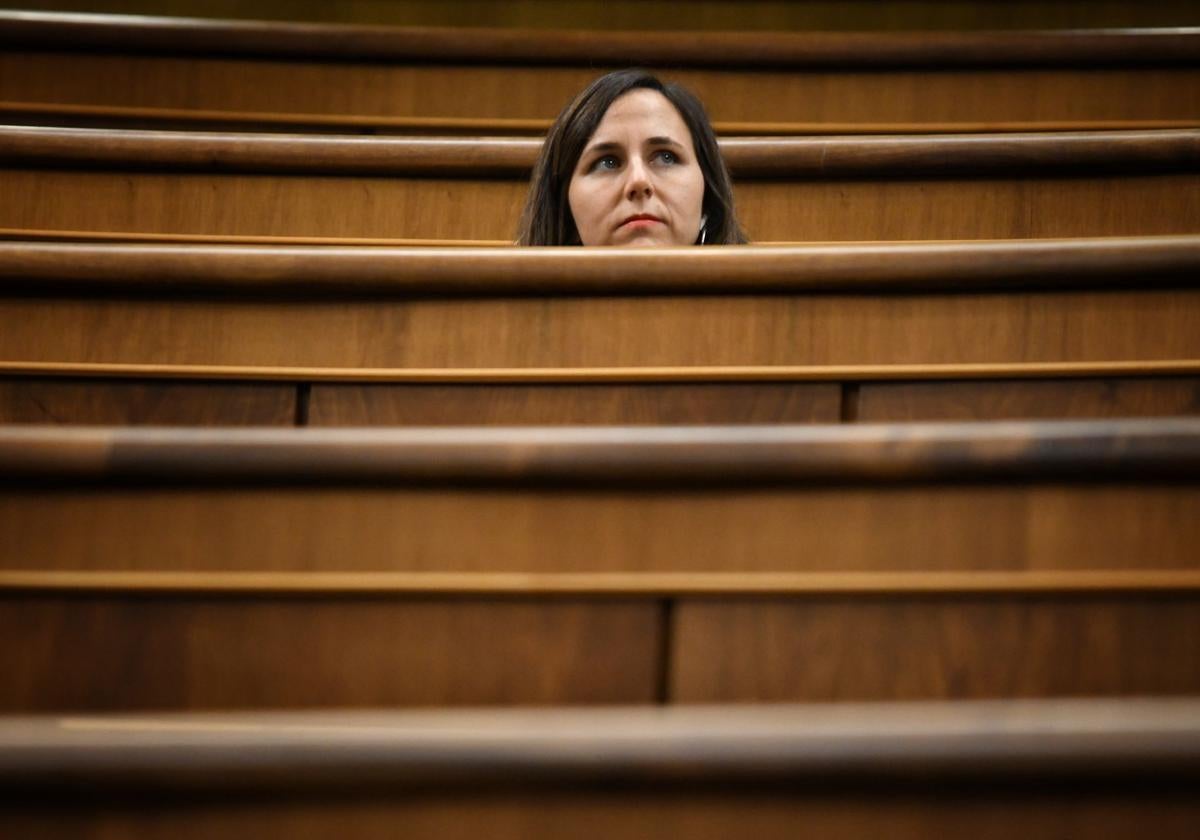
638,181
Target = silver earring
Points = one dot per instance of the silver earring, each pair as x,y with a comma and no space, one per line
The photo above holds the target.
703,231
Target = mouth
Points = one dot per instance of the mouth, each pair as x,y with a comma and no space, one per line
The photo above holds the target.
640,220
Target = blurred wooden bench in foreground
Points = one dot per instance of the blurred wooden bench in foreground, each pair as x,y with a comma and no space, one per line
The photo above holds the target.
1043,769
230,568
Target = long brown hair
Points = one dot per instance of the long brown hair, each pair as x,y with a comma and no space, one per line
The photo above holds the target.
547,218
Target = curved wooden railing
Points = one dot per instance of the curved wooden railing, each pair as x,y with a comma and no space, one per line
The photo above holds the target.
1091,450
68,114
844,746
190,36
771,157
962,266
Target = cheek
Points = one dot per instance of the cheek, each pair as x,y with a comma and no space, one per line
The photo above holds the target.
581,202
691,196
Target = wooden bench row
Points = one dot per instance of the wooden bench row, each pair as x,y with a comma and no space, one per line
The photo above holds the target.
808,310
89,182
320,568
1077,767
588,397
494,80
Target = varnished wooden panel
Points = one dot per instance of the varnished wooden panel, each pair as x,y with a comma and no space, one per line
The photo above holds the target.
899,529
488,404
181,652
117,402
1150,397
433,208
540,92
933,648
704,815
808,329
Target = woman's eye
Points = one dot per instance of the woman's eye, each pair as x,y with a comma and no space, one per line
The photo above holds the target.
667,157
606,162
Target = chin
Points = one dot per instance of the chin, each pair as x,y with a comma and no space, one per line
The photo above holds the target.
644,243
646,240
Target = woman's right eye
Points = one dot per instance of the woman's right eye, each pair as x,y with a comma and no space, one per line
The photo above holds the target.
606,162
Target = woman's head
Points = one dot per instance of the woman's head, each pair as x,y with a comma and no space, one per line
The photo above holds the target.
632,161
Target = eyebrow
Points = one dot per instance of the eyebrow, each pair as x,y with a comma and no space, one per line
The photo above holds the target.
650,141
663,141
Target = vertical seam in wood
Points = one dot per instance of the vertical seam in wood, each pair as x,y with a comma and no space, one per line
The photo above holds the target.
303,392
849,412
666,642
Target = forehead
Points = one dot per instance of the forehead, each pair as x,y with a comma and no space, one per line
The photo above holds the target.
639,114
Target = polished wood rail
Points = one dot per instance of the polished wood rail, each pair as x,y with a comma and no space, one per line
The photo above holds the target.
847,771
600,585
166,270
64,31
15,112
1080,450
850,745
890,157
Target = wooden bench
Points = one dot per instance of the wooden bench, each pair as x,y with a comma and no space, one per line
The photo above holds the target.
266,568
228,336
339,190
1044,769
496,80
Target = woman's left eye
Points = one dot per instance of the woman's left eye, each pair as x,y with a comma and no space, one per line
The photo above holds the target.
667,157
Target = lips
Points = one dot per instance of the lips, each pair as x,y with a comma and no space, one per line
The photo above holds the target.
641,217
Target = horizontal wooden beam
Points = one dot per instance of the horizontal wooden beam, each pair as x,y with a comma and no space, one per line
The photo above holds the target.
481,157
120,237
1091,450
168,270
584,375
190,36
115,116
601,584
839,745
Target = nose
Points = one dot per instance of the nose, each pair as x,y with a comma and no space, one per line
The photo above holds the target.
637,180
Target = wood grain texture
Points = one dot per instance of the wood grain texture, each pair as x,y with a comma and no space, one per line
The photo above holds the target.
436,405
35,235
894,648
488,209
525,92
481,157
126,653
163,35
900,529
802,329
631,584
107,402
705,816
1149,397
